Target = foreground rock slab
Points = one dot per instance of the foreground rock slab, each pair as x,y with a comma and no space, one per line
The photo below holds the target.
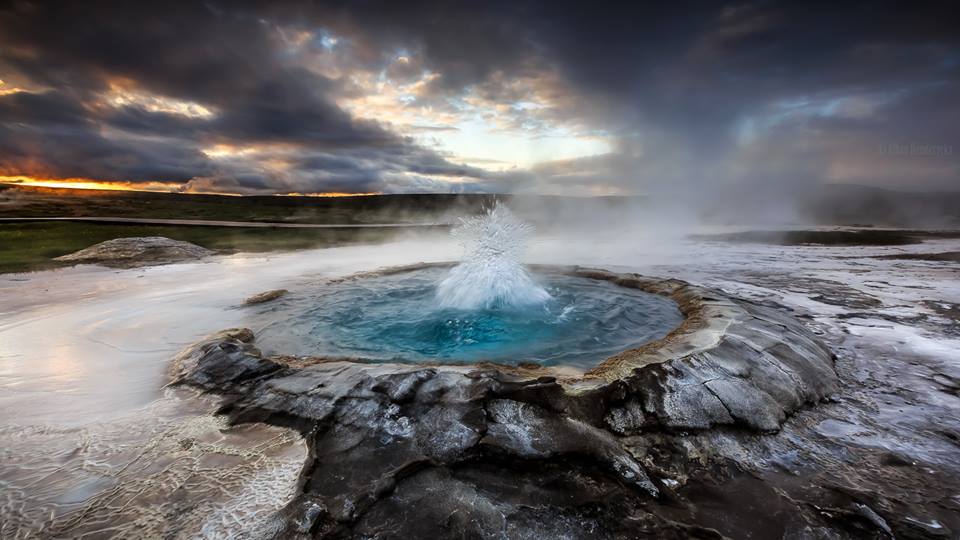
137,251
493,451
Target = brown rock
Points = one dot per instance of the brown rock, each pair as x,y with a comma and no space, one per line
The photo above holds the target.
265,297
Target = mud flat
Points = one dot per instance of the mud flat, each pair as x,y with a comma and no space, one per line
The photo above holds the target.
411,450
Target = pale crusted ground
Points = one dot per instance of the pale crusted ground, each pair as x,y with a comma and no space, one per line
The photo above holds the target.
85,351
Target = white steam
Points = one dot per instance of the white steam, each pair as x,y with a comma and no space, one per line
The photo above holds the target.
491,274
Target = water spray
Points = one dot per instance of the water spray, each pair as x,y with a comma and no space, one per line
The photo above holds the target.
491,275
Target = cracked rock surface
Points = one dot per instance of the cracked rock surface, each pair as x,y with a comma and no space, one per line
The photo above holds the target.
487,451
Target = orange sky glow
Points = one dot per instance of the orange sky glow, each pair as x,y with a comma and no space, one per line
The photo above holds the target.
154,187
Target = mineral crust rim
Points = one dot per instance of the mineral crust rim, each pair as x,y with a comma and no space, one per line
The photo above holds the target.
706,315
406,432
720,339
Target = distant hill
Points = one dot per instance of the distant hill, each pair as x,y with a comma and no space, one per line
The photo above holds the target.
826,205
847,204
832,204
30,201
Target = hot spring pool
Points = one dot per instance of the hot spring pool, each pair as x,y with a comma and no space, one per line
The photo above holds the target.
398,318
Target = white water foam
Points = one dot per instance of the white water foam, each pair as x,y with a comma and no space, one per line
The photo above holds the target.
491,274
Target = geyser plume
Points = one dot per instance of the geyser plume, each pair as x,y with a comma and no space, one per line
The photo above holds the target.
491,274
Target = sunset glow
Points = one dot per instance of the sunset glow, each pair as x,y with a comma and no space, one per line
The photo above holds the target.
89,183
125,94
153,187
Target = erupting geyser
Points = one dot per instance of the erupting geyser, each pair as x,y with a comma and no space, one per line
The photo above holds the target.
491,274
486,308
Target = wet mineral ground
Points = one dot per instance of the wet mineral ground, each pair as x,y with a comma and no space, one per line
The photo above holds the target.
864,445
451,438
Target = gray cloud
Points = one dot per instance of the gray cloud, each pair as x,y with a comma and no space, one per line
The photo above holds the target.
765,93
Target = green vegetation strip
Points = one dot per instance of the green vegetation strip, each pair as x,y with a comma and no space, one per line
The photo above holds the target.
33,246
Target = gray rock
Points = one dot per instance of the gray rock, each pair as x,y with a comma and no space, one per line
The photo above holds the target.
402,450
133,252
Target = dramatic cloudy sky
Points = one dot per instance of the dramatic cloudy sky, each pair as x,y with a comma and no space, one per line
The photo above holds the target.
544,97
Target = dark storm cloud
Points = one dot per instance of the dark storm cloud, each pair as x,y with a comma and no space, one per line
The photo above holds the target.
692,94
53,134
69,56
684,79
686,85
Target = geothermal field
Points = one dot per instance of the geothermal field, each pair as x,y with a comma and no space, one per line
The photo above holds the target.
494,380
479,270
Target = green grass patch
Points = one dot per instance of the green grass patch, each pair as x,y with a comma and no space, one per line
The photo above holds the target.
32,246
22,201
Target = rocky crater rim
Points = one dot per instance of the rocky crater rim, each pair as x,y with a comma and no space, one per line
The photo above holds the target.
457,440
729,361
706,313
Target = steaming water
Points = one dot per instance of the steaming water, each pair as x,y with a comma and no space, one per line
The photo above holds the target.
491,274
90,440
396,317
488,307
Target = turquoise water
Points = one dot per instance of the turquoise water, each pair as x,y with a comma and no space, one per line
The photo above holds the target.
398,318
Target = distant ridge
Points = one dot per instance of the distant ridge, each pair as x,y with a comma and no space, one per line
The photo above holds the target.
832,204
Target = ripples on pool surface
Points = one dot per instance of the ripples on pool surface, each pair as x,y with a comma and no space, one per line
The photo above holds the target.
398,317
